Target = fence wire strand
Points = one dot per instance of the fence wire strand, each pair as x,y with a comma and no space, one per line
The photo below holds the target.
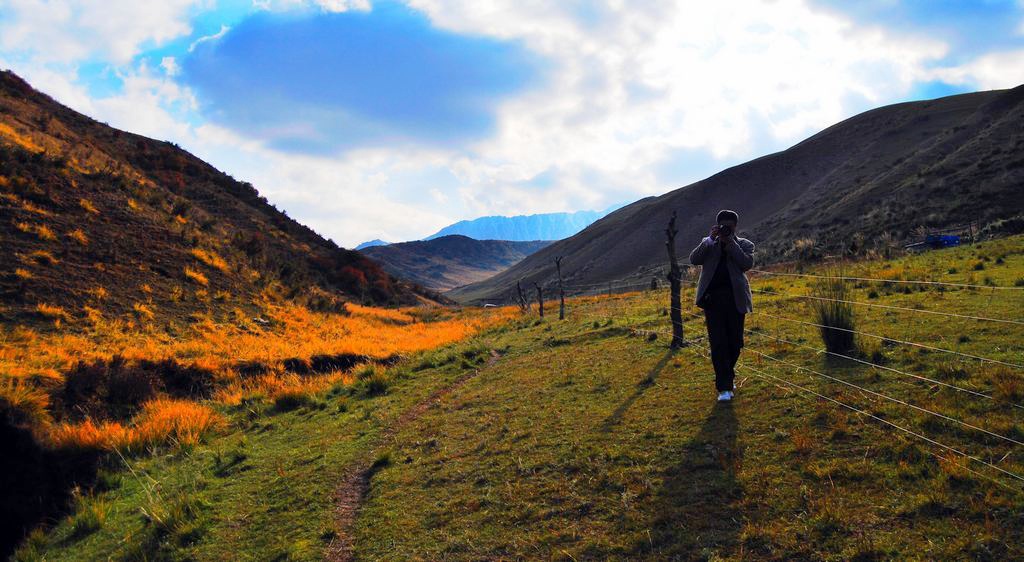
763,374
892,307
893,340
885,368
875,280
889,398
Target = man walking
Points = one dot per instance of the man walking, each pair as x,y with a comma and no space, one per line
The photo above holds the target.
724,294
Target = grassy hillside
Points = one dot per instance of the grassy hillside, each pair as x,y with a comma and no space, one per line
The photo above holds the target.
589,439
450,261
97,221
866,184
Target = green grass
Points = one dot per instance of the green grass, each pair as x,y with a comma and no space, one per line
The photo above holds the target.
584,441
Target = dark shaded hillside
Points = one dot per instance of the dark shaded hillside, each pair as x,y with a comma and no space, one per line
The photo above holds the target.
451,261
873,179
99,219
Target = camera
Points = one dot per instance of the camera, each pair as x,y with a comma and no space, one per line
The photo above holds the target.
724,230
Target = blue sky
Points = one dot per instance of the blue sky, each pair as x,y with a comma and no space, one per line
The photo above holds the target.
392,119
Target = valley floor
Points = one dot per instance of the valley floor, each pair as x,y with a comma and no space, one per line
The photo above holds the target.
589,439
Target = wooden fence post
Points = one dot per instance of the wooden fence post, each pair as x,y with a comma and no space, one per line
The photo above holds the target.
675,281
561,291
540,299
524,305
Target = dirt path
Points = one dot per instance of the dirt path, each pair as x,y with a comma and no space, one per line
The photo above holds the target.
355,480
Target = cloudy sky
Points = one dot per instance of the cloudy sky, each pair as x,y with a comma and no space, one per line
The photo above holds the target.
391,119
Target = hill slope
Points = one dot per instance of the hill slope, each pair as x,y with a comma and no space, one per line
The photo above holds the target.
523,228
890,170
576,439
126,225
450,261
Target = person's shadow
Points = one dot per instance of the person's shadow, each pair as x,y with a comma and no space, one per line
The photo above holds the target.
696,511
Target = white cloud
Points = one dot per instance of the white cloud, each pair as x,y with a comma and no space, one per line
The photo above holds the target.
334,6
223,31
988,72
170,66
631,85
635,84
75,30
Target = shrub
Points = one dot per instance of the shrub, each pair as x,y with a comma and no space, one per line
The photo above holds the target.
143,311
196,276
290,398
79,236
44,233
182,421
372,380
88,206
1007,385
31,549
90,515
51,312
41,257
22,402
805,250
837,317
210,258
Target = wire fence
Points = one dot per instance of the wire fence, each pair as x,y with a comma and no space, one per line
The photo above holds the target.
1011,438
889,281
900,308
921,436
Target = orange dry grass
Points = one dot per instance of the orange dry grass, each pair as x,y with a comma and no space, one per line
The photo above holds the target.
24,397
397,315
196,276
19,139
28,206
51,311
294,331
210,258
41,257
276,387
144,311
42,231
88,206
162,419
79,236
45,233
39,358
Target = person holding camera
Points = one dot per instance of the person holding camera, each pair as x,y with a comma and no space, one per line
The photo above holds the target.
724,293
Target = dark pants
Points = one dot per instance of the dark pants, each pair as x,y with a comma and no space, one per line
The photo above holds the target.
725,335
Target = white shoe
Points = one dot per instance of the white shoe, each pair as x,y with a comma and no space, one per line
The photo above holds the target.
724,396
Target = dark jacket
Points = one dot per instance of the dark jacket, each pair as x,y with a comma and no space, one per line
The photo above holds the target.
741,258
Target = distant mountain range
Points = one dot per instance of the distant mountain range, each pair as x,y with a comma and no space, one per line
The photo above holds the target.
372,243
472,250
450,261
546,226
871,180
